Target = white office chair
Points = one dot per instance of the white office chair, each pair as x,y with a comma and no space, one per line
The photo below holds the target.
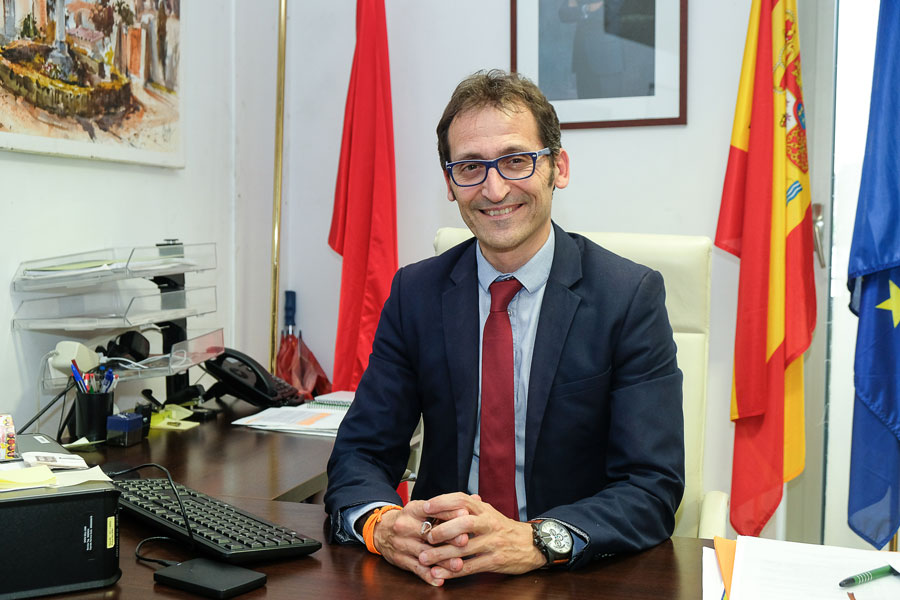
684,262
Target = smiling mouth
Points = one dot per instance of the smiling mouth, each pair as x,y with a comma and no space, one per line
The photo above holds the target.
496,212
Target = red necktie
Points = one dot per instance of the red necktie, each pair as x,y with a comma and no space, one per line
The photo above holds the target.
497,454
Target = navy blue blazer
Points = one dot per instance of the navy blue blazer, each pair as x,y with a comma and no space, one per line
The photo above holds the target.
604,438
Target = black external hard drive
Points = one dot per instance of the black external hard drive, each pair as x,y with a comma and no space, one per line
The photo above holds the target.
210,578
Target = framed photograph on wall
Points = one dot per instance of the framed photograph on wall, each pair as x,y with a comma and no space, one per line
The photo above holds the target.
605,63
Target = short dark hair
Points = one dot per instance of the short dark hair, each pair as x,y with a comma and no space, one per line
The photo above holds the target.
506,91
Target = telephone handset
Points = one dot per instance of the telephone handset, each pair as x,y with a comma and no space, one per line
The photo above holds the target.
242,377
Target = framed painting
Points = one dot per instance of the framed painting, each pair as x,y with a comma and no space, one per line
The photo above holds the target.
605,63
92,79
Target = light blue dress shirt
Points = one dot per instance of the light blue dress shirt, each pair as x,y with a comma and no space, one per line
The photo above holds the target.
524,312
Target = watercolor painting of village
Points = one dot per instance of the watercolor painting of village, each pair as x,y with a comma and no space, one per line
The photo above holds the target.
92,78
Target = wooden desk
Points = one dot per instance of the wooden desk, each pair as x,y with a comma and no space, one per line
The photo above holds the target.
253,469
671,570
221,459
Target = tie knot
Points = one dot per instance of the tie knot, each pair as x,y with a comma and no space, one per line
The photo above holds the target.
502,292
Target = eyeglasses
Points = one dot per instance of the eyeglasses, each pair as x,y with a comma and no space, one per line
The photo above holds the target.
520,165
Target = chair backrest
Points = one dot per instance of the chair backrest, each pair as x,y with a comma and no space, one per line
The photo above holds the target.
684,262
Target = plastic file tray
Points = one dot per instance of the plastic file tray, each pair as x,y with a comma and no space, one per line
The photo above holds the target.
113,309
184,355
112,264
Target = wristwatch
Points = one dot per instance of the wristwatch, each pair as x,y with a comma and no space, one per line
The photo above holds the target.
553,539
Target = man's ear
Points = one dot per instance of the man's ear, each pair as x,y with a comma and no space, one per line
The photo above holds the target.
561,164
450,195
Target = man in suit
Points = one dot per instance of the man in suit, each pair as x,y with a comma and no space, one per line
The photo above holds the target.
573,421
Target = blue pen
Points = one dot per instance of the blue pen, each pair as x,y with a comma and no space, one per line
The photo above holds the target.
78,379
107,381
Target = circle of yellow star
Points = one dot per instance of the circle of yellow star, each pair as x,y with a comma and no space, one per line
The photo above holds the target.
893,303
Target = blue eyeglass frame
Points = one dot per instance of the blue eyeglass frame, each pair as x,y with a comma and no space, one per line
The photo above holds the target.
492,164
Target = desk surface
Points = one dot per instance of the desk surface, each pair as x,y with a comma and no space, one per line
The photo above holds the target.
670,570
251,469
221,459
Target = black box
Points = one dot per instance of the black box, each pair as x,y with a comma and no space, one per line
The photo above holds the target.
59,540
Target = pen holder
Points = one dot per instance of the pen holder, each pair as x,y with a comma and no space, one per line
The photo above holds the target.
91,411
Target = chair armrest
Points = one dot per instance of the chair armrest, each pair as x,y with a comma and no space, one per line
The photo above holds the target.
713,515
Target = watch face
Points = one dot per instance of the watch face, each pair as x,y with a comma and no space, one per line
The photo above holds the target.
556,537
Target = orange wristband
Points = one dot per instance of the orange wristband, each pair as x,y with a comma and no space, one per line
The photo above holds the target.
369,527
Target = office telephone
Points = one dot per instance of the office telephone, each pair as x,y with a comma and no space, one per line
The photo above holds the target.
242,377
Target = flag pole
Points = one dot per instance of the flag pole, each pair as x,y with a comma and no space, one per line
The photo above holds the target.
892,545
276,200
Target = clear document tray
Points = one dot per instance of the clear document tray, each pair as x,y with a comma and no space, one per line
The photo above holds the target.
113,309
111,264
184,355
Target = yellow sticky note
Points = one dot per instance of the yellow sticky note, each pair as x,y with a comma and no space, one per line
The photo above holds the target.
30,477
173,412
110,532
172,424
178,413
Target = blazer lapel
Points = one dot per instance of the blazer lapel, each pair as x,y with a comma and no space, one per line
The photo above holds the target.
557,311
459,309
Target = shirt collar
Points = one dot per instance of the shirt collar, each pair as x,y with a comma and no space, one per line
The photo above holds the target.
532,275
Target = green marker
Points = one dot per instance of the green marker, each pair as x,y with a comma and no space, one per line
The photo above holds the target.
869,576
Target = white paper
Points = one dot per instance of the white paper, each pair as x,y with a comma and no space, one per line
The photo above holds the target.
713,586
777,570
54,460
67,478
296,419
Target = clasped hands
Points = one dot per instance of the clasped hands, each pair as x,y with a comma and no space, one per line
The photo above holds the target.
468,536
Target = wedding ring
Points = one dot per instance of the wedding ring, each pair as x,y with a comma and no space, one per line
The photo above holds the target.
427,524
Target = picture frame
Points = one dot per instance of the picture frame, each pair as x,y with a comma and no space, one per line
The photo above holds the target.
93,79
604,63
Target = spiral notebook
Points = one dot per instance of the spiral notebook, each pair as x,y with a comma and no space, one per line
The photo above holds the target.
332,400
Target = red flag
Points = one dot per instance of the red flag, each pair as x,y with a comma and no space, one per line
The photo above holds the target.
364,221
765,220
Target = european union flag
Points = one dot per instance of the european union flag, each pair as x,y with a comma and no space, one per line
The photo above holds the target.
874,280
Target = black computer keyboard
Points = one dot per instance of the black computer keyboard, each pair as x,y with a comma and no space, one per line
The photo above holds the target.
219,529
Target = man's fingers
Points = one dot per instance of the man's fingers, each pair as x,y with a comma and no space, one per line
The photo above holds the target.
476,564
415,509
447,503
409,563
403,551
436,555
459,540
446,532
448,514
453,565
426,575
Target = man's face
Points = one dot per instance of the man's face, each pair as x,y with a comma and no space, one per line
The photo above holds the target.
511,219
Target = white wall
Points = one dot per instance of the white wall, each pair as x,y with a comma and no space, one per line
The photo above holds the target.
856,40
255,68
648,179
52,206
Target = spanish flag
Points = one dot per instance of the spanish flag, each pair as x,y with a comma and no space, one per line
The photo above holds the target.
765,221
